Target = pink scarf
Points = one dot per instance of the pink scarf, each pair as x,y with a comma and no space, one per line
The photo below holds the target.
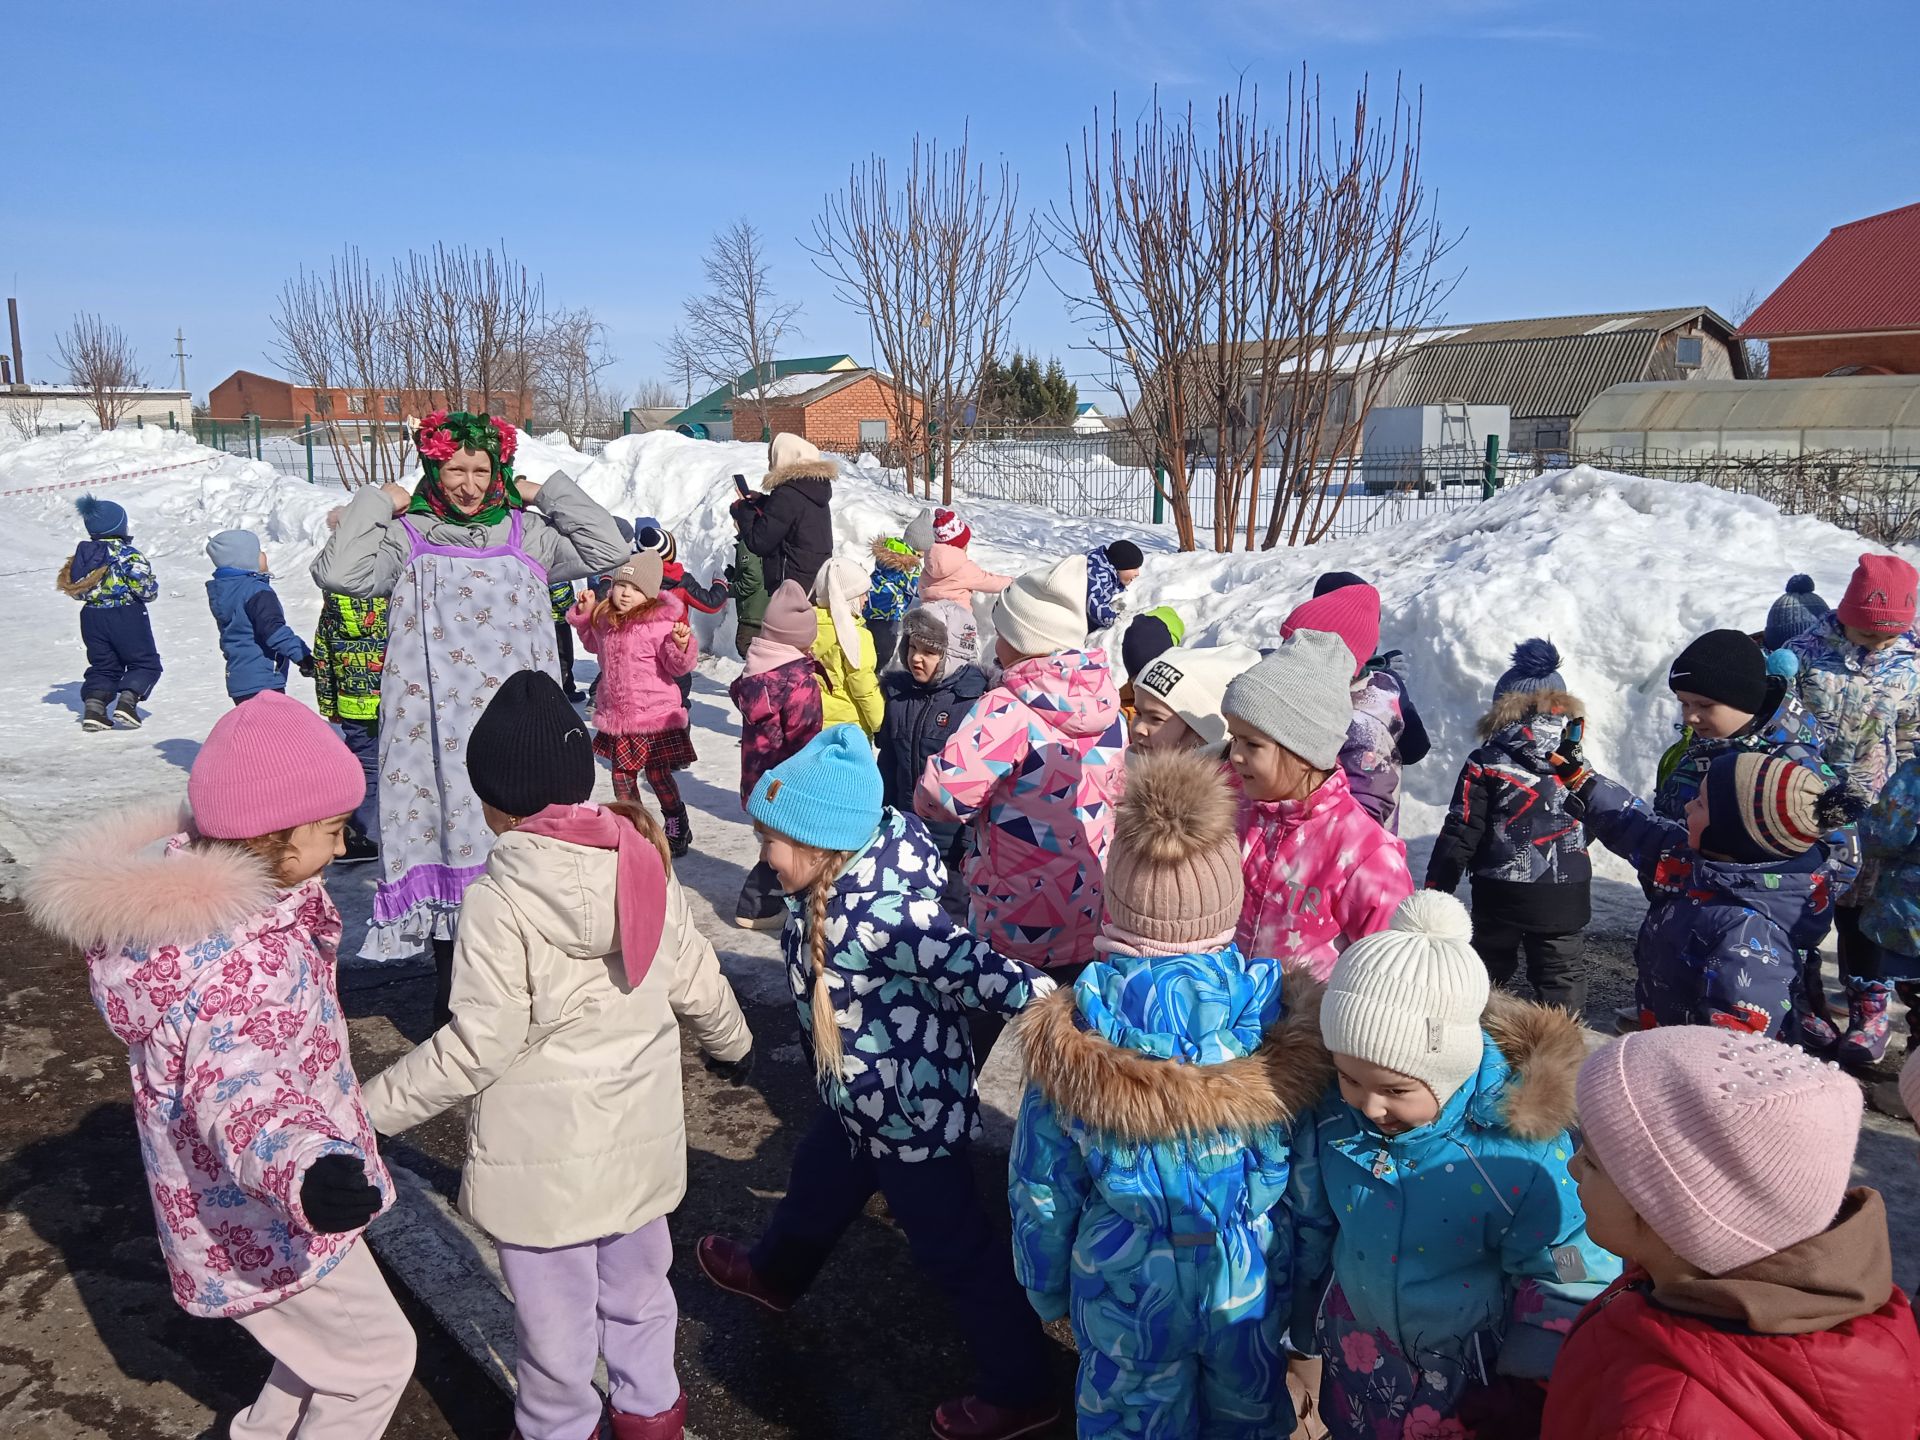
764,655
640,885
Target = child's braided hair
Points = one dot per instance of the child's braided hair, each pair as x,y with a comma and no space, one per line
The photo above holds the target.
826,1025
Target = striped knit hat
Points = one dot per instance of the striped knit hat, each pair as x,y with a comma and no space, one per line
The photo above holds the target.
1764,807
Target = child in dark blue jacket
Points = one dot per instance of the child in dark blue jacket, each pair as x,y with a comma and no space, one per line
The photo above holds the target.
1739,889
254,634
926,701
115,584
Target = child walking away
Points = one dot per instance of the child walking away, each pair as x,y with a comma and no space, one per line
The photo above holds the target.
1798,610
949,572
258,643
1320,872
644,644
114,584
1758,1300
1738,891
1154,1159
1507,826
1178,698
1860,676
1110,570
892,590
576,963
211,946
1890,842
1459,1255
560,599
926,701
1411,741
778,696
1370,754
1035,770
1149,635
849,682
882,981
349,654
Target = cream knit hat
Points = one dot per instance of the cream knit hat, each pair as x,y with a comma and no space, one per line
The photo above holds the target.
1192,682
1045,610
1409,998
1173,883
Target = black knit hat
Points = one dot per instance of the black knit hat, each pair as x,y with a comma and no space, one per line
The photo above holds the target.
1335,580
1125,555
1723,665
1146,640
530,749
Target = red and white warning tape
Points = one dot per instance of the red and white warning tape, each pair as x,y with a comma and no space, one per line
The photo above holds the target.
110,479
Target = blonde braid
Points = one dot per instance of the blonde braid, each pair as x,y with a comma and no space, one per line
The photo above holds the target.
826,1025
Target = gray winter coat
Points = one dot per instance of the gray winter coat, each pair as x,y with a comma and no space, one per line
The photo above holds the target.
565,531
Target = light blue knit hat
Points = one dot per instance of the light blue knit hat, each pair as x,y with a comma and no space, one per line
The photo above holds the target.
827,796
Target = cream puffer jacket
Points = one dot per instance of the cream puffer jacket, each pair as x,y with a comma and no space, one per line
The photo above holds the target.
578,1129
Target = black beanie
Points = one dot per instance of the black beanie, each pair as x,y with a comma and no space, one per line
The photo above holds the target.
530,749
1146,640
1125,555
1335,580
1723,665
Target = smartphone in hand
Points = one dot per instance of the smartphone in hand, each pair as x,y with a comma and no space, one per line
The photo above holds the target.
740,484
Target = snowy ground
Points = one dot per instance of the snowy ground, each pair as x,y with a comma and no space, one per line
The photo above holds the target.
1618,571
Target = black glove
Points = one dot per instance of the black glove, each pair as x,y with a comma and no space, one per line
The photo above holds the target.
305,667
734,1072
1570,764
337,1195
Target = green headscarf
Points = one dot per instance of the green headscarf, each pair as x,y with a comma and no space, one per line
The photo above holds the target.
442,436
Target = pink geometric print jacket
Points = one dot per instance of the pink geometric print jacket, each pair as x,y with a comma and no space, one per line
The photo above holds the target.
222,987
1320,874
639,665
1036,768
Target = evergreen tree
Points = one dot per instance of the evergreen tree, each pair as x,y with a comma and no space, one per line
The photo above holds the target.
1020,391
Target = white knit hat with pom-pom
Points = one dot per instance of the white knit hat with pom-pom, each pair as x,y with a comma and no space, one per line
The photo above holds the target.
1409,998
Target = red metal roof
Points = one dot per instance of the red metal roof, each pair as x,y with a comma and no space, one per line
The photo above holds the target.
1863,277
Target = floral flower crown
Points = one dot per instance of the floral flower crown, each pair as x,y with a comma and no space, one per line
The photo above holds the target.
444,434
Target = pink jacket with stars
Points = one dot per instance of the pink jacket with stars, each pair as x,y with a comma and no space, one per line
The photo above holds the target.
1320,874
222,987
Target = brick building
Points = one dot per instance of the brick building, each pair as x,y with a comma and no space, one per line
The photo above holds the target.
844,410
271,398
1852,307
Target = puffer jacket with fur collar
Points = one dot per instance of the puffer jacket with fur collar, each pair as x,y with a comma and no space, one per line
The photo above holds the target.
222,987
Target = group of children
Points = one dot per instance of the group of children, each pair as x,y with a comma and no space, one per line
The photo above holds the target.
1287,1154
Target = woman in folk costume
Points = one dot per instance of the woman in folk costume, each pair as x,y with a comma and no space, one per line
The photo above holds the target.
466,564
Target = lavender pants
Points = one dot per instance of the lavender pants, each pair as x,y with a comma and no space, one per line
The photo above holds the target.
573,1304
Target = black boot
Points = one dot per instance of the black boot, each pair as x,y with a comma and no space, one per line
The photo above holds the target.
127,711
679,833
442,982
96,716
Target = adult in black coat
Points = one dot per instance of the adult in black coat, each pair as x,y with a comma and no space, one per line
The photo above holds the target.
790,525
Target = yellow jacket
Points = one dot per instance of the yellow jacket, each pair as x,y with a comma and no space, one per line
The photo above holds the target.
849,695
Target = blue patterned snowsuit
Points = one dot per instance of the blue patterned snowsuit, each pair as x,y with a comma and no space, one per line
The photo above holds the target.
1103,591
1154,1179
1890,836
113,625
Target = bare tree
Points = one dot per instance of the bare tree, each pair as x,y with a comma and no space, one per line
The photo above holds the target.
337,334
1756,353
470,327
655,394
24,412
568,391
685,366
100,360
1254,288
736,326
935,264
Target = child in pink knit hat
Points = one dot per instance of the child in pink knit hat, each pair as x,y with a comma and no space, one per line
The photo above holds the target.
1758,1298
211,946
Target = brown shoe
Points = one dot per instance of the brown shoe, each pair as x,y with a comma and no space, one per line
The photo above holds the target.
725,1263
971,1418
669,1424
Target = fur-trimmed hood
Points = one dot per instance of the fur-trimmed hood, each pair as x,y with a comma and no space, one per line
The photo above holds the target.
133,880
78,586
1517,705
1142,1098
1543,1047
826,470
887,557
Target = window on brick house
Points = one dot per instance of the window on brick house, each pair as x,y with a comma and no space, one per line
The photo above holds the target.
356,404
389,404
873,432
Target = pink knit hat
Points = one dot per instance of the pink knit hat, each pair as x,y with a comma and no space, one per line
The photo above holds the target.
1731,1147
1880,596
1352,612
269,764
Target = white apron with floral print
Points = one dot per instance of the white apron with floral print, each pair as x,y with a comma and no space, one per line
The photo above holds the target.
459,623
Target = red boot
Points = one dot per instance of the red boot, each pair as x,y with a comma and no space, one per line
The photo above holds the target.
667,1425
971,1418
726,1265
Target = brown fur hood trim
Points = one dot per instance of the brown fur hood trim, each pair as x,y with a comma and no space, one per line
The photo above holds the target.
1544,1046
887,558
802,470
1141,1099
1517,705
67,585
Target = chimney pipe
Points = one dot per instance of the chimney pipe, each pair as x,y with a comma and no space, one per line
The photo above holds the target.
13,326
6,371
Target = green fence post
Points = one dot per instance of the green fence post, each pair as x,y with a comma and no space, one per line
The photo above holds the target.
139,422
626,422
1490,482
172,424
1159,491
259,450
306,429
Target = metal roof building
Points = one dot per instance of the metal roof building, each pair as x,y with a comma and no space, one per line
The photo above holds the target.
1870,414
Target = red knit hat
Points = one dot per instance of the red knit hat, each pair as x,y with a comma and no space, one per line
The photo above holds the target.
1352,612
950,529
1880,595
270,764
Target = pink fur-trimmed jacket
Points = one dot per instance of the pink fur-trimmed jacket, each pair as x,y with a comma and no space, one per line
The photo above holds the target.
639,663
222,987
950,574
1320,874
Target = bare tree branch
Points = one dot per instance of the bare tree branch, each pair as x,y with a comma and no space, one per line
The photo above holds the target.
100,360
738,324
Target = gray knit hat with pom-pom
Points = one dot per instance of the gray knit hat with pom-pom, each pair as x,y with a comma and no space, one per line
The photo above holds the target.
1797,611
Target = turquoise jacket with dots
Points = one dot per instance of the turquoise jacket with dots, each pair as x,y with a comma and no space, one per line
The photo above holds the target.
1470,1224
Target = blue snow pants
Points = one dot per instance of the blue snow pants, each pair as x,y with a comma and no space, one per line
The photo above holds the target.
363,739
121,654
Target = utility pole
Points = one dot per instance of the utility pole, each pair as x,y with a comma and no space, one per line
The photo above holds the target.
13,325
180,354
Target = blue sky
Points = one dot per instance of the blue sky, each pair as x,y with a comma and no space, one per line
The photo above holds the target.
172,165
